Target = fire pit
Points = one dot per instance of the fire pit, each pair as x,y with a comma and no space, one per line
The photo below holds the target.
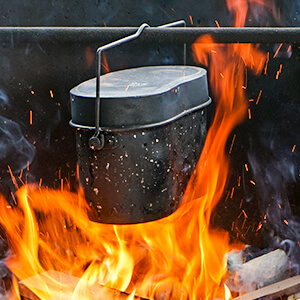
59,251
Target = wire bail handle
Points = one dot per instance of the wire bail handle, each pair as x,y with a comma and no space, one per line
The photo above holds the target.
97,141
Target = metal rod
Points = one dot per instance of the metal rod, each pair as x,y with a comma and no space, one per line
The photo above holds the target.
177,23
161,35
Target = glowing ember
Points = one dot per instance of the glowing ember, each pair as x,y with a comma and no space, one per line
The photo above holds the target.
51,94
279,71
259,95
30,117
277,50
178,257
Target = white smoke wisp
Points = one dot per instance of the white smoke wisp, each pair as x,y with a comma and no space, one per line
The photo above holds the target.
17,153
275,171
15,150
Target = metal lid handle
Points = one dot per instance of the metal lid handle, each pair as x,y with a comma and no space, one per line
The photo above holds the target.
95,142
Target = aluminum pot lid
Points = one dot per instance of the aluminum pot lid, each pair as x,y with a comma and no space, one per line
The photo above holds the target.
140,96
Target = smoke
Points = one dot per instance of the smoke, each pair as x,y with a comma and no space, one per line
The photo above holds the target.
290,12
273,156
246,274
15,150
3,99
275,168
263,13
5,273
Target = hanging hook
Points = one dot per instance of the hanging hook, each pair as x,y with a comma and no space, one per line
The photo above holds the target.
95,143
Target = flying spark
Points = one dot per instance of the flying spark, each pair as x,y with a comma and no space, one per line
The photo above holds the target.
233,139
277,50
267,62
279,71
259,95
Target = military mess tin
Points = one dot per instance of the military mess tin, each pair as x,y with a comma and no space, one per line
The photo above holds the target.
138,146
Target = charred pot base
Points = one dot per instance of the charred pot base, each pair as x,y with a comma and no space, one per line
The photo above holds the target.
140,175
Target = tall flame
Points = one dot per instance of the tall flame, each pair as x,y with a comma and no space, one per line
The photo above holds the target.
178,257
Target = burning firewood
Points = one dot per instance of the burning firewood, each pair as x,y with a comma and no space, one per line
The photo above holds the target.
166,289
170,288
67,285
258,272
276,290
294,296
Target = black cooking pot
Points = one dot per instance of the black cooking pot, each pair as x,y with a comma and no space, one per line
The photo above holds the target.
153,127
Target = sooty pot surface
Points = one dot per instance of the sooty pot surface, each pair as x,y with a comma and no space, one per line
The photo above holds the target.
153,137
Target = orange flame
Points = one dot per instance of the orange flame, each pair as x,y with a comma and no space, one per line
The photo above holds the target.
227,292
56,251
240,8
51,231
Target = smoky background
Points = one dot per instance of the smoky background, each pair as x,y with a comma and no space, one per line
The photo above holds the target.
34,100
